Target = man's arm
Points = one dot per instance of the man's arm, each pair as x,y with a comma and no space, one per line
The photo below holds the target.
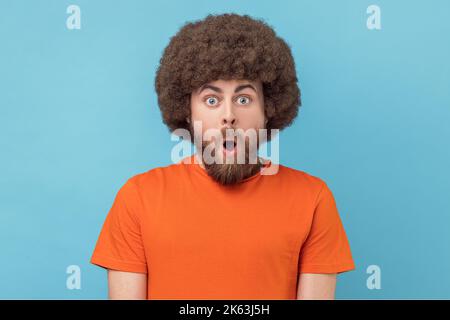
315,286
127,285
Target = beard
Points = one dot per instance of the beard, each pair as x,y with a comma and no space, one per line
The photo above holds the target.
228,174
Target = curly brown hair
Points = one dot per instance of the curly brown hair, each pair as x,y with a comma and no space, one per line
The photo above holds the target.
227,46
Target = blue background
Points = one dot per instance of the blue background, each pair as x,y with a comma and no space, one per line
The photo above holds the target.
79,115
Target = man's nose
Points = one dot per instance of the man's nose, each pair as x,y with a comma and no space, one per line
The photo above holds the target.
228,116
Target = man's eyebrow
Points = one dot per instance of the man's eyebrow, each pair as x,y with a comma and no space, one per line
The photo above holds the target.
214,88
208,86
244,86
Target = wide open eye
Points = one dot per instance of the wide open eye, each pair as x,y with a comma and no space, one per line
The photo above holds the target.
211,101
244,100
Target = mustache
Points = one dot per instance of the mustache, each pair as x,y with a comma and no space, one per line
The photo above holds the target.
236,135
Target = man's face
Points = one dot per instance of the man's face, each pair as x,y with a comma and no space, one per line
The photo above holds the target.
229,104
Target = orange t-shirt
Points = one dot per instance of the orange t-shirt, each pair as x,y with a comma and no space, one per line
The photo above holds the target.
197,239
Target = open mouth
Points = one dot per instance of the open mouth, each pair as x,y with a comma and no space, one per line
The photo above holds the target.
229,146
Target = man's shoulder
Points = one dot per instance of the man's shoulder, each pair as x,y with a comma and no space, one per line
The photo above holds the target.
155,175
301,178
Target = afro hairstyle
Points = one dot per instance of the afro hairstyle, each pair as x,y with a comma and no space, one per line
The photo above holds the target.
227,46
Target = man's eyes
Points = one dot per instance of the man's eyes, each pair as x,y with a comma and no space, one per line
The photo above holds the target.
213,100
243,100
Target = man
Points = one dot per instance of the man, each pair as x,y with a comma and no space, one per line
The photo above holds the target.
202,229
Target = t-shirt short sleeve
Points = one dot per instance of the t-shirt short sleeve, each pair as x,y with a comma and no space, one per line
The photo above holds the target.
119,245
326,248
